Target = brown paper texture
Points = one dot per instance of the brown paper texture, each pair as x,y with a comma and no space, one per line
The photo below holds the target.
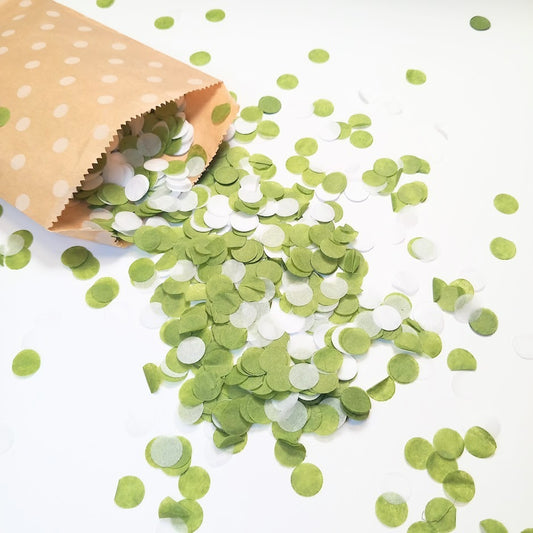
69,84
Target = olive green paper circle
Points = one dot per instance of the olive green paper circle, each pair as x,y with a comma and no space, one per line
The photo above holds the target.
130,492
441,514
479,23
194,483
479,442
200,58
438,467
448,443
306,479
502,248
215,15
105,3
317,55
287,81
391,509
5,114
506,204
490,525
26,363
416,452
403,368
460,486
415,77
420,527
484,322
164,23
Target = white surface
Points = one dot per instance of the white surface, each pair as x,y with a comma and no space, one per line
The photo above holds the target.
471,120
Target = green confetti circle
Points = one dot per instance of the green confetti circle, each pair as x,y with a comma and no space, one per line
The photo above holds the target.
5,114
26,363
288,453
403,368
448,443
200,58
105,3
441,514
460,486
490,525
306,479
102,293
323,107
391,509
194,483
505,203
164,23
306,146
438,467
220,113
215,15
416,452
269,104
361,139
484,322
75,256
461,359
479,23
502,248
318,55
420,527
479,442
415,77
287,81
130,492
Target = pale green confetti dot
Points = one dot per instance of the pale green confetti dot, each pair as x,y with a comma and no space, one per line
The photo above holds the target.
88,269
306,146
438,467
346,129
359,120
356,403
441,514
19,260
385,167
421,527
489,525
251,113
502,248
318,55
417,451
215,15
220,113
306,479
289,453
335,183
323,107
164,23
355,341
479,442
189,511
415,77
505,203
5,114
361,139
268,129
269,104
105,3
448,443
461,359
287,81
102,293
153,376
391,509
141,270
26,363
479,23
200,58
130,492
373,178
194,483
460,486
382,391
484,322
403,368
411,164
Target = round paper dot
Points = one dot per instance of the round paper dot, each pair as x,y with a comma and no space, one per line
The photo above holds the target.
60,145
130,492
22,202
154,79
306,479
101,132
166,451
164,23
38,46
118,46
115,61
60,189
479,23
391,509
194,81
109,78
505,203
155,64
72,60
30,65
415,77
67,80
23,124
80,44
215,15
105,3
26,363
47,27
60,111
318,55
287,81
502,248
85,29
105,99
200,58
23,91
17,162
7,33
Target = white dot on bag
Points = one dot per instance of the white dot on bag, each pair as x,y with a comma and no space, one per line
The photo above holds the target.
194,81
47,27
23,124
8,33
149,98
3,49
101,132
60,189
154,79
52,14
84,28
109,78
155,64
18,161
32,64
61,110
25,3
67,80
72,60
38,46
19,17
23,91
22,202
105,99
118,46
81,44
115,61
60,145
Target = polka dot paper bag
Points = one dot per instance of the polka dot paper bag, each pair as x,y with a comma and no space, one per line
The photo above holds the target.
68,85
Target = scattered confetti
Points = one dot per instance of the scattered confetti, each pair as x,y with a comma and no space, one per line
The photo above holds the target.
130,492
26,363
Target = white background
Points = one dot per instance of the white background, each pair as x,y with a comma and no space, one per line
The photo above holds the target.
70,421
